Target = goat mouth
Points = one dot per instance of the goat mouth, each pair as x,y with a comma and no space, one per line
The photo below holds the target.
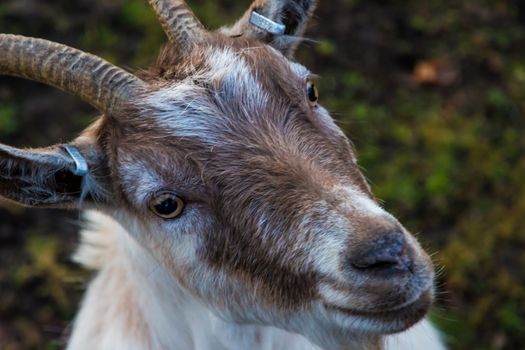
391,320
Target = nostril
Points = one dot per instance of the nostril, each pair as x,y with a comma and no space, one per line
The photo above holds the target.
375,263
389,253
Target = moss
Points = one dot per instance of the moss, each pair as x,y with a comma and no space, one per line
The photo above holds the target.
8,122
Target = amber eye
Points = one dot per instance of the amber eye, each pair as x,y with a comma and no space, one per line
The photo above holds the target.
312,93
166,205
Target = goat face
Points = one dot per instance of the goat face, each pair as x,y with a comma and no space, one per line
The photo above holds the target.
279,226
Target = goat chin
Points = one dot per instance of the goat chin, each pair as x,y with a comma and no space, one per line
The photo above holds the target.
117,313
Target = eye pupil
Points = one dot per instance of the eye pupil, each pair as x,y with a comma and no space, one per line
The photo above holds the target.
167,205
312,93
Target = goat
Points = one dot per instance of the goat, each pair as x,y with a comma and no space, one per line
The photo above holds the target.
225,208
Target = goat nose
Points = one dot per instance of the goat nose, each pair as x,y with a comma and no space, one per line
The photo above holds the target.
388,253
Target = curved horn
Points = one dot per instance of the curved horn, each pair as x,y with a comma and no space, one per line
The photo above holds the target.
93,79
179,22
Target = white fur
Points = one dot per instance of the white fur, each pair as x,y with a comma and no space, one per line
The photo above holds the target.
358,202
188,111
133,304
421,336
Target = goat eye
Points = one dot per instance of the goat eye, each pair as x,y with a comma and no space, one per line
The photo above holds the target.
167,205
312,93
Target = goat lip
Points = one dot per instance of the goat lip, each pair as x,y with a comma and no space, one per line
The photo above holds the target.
418,306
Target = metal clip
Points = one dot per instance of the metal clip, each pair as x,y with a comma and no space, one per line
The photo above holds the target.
267,24
80,162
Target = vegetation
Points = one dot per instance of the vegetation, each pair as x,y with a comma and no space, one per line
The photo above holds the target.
431,92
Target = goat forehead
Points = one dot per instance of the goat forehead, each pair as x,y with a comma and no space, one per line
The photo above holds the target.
232,70
235,91
241,81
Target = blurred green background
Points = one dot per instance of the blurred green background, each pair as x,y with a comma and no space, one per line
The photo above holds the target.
431,92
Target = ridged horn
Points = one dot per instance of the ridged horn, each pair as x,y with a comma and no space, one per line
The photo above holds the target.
89,77
179,22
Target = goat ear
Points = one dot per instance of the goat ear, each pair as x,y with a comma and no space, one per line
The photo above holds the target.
294,14
50,177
